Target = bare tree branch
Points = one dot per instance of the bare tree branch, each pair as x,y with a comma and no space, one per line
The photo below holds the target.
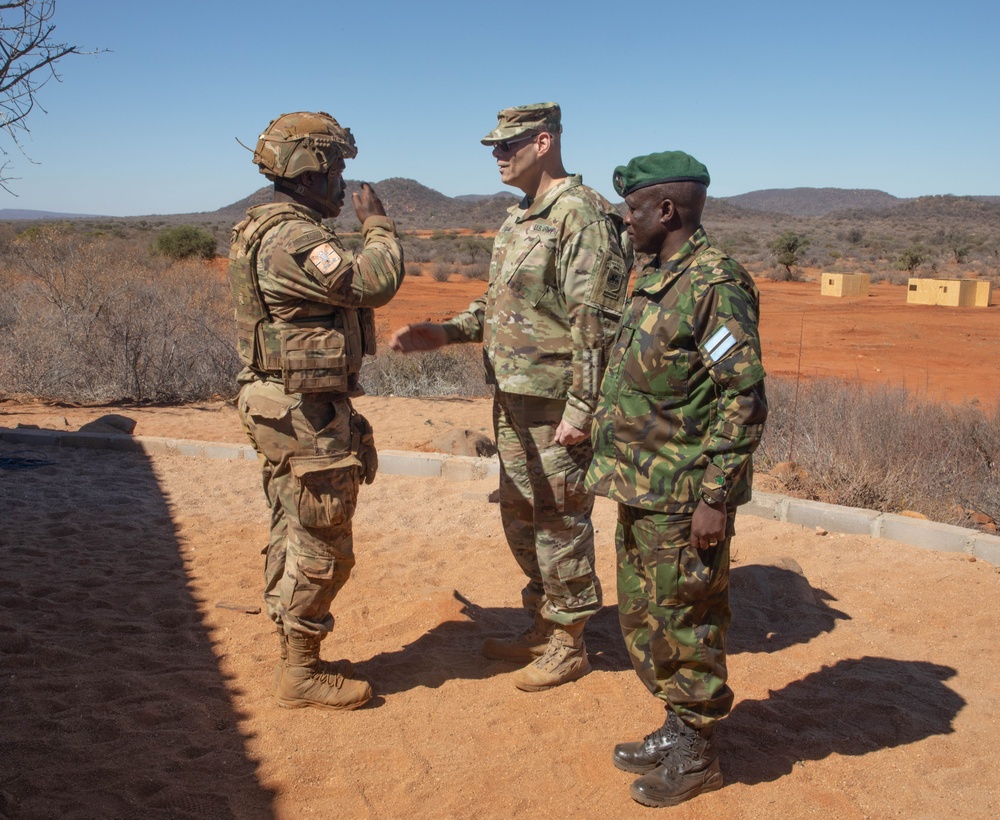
28,57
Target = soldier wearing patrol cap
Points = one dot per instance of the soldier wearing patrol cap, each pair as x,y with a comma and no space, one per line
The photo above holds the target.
682,409
557,285
304,321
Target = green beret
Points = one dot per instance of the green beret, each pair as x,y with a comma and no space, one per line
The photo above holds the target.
655,169
521,119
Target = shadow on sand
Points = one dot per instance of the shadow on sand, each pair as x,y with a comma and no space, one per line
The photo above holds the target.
113,704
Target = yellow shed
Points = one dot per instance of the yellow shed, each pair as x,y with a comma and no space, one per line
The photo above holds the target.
948,292
844,284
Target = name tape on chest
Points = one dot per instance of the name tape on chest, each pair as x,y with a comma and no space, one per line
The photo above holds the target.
720,343
541,227
325,258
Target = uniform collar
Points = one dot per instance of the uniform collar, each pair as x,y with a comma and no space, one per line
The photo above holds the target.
655,277
530,209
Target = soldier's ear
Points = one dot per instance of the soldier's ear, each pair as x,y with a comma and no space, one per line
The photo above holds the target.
668,211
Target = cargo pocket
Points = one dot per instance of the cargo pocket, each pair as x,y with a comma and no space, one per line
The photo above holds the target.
562,474
326,488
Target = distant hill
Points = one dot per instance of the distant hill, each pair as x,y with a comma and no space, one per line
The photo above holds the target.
12,214
814,201
416,207
480,197
413,206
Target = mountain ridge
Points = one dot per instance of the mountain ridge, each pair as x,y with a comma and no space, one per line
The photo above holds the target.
414,205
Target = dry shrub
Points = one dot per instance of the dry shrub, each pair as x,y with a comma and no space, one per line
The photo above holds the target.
440,271
456,370
477,271
99,319
885,450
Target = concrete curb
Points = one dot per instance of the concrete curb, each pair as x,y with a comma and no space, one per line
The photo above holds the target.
914,531
832,518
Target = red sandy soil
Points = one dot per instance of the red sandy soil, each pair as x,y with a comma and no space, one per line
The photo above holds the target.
136,667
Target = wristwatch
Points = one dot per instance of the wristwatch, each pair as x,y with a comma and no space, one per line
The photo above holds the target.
716,494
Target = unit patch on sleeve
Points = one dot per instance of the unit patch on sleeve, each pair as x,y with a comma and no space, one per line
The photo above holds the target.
325,258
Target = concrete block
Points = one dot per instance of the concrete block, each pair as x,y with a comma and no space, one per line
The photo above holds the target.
468,468
152,445
226,452
39,438
928,534
89,441
830,517
985,547
765,505
183,447
121,444
417,465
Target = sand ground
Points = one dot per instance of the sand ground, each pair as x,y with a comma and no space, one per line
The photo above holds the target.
136,667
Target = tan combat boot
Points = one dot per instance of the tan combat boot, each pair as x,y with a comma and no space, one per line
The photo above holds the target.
565,659
303,683
525,647
340,667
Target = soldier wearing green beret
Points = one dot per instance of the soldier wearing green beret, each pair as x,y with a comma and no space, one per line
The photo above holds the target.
557,285
304,321
682,409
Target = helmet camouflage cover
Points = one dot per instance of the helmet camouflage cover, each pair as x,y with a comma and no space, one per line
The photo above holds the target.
302,141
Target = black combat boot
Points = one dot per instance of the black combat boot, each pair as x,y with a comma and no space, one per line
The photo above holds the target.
690,768
645,755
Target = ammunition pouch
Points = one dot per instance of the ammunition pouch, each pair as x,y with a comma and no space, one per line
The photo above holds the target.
317,354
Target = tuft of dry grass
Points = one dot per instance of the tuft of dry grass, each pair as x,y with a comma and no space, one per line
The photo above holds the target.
101,319
885,450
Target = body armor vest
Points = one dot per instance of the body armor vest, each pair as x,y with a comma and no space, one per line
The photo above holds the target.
319,354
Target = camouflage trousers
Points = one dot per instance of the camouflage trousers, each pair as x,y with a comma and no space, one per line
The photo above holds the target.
545,508
673,606
311,480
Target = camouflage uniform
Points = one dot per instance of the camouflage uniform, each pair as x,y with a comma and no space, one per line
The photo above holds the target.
557,284
681,411
314,450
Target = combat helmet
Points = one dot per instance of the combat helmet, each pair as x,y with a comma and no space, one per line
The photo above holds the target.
302,141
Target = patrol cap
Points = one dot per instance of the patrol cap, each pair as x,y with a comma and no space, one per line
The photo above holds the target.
656,169
512,122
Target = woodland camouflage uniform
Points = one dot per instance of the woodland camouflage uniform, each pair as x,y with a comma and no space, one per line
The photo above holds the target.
557,284
683,385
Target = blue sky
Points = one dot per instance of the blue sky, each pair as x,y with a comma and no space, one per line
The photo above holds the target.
898,96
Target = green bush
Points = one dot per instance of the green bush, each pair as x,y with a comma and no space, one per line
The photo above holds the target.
184,242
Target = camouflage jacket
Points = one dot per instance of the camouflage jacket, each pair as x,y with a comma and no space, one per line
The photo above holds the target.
557,285
304,271
682,404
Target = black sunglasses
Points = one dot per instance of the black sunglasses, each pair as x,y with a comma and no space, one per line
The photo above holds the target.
504,145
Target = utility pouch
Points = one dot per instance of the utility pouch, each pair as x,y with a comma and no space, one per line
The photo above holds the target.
326,488
363,446
313,361
368,331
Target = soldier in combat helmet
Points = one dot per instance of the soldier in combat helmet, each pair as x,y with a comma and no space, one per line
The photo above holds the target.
557,285
304,321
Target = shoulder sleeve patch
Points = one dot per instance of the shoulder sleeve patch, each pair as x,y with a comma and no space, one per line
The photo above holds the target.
610,284
325,258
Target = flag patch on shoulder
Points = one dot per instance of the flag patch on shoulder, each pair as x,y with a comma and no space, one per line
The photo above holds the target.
325,258
720,343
